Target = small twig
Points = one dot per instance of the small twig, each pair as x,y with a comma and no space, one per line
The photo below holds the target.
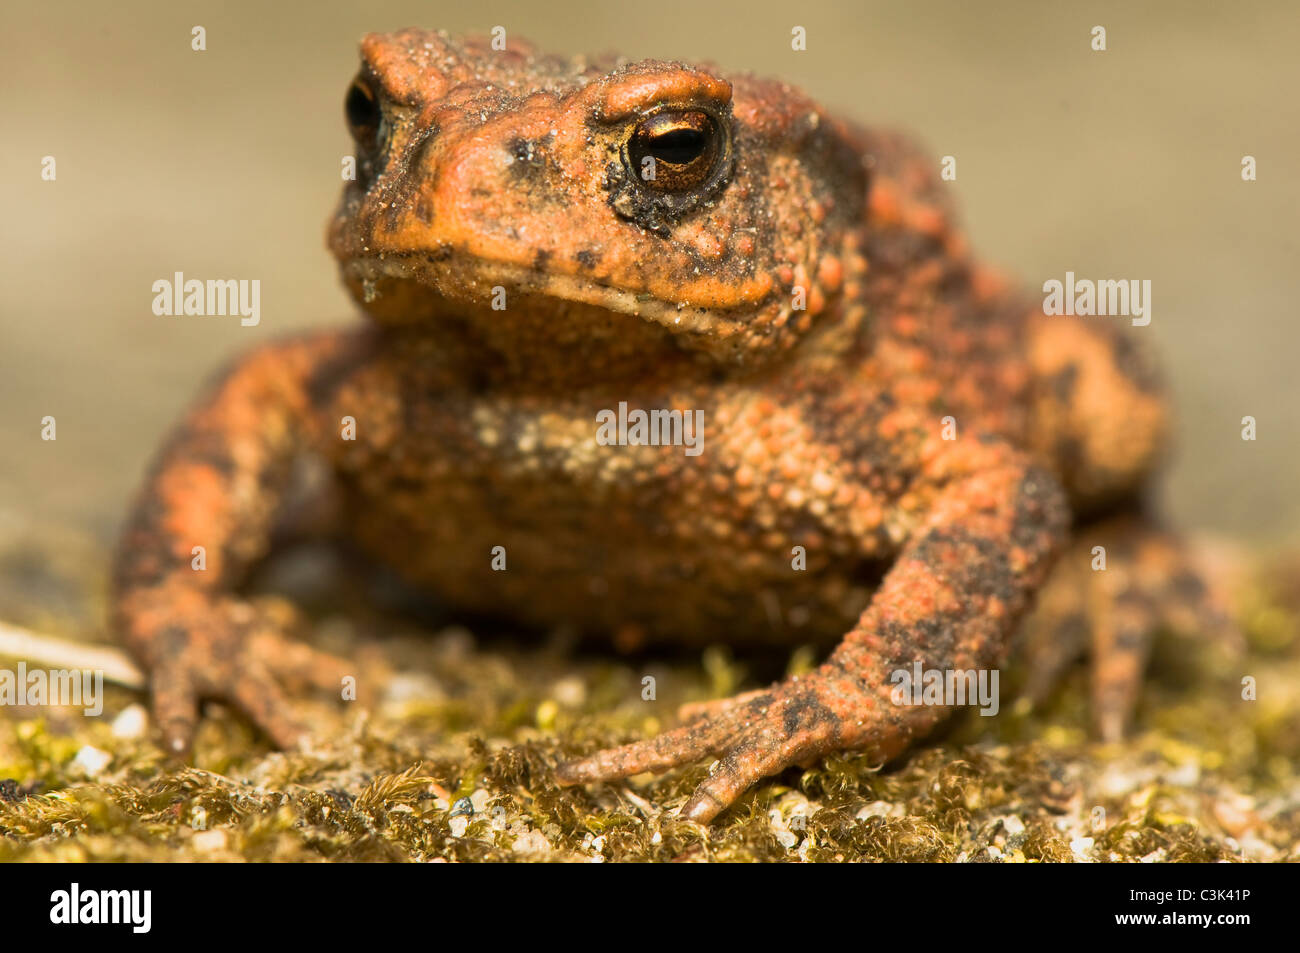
65,654
641,803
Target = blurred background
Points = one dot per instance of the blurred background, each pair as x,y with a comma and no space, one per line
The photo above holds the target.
225,163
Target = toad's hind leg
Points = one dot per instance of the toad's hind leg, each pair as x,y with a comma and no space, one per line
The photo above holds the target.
1120,583
1100,411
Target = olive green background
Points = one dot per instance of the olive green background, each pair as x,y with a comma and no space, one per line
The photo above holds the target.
225,163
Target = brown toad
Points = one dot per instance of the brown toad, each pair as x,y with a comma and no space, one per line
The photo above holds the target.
888,445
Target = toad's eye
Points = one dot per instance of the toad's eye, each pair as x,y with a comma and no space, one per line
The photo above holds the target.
675,151
362,109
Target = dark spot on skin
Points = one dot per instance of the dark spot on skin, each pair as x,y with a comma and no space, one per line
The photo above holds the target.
838,163
1074,629
172,640
1132,363
1134,599
805,712
905,643
1067,453
587,259
528,164
1040,508
1131,640
523,150
1188,587
541,258
892,250
939,635
145,556
837,421
1063,382
329,373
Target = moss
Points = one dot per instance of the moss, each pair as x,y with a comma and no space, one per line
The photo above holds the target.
458,767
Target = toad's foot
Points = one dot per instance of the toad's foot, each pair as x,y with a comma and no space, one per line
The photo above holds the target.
1118,585
756,735
228,651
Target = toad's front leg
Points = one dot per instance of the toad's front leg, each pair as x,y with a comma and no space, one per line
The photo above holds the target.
218,485
988,524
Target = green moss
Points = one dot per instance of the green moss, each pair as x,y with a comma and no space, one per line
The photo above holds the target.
1202,781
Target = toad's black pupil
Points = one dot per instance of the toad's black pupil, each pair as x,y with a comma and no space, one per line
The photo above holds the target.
678,147
362,110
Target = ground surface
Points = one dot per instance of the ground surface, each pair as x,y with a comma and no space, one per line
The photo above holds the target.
446,714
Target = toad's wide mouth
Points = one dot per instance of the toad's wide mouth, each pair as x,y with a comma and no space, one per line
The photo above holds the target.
448,278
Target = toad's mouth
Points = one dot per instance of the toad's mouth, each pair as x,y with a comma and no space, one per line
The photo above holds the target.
456,280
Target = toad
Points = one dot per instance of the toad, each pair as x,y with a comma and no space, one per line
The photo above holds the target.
893,446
